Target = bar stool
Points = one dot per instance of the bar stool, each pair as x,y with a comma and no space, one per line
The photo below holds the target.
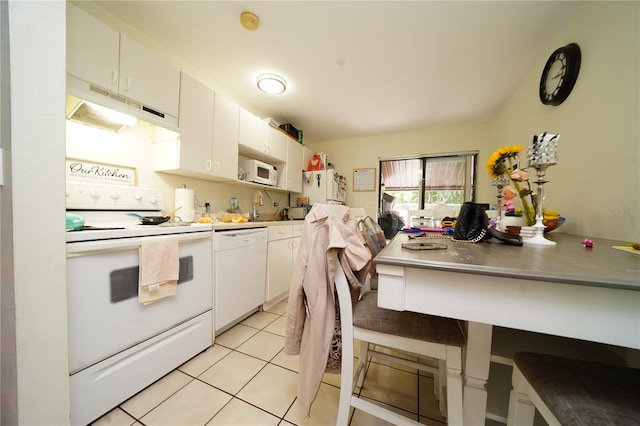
572,392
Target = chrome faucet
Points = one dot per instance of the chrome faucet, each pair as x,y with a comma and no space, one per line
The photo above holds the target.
258,200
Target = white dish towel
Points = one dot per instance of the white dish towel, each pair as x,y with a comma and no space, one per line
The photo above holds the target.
159,269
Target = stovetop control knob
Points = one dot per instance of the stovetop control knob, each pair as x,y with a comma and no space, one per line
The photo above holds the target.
137,196
95,194
153,199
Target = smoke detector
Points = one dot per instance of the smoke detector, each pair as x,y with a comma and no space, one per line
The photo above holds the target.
249,21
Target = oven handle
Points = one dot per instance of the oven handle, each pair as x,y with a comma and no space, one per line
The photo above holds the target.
118,245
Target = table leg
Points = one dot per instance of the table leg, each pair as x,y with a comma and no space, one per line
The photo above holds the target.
476,372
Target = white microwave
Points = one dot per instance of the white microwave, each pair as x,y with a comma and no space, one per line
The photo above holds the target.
258,172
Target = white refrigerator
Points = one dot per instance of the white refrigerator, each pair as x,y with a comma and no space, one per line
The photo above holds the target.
324,187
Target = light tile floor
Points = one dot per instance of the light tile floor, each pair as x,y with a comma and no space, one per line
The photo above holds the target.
247,379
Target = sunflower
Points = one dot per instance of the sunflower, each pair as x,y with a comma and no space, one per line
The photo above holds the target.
501,163
496,165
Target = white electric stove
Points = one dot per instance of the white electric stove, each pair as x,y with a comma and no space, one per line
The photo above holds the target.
117,345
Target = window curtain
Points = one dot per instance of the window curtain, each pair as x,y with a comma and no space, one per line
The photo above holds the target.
444,173
441,173
402,175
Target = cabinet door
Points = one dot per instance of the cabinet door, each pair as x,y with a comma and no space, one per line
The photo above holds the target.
277,144
295,244
147,78
295,157
280,268
92,49
225,138
252,133
296,235
196,124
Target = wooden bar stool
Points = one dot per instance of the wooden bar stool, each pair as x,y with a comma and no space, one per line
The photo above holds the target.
573,392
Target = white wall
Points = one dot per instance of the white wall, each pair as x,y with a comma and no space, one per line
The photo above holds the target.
133,148
596,183
358,153
37,55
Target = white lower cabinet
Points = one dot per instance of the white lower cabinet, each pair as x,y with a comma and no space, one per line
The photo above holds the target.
282,249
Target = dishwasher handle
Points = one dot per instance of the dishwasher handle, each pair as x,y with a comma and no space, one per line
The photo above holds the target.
225,240
241,233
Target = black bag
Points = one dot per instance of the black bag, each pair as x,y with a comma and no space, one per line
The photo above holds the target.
472,226
472,223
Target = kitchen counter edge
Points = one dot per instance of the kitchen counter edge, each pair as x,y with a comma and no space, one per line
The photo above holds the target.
222,226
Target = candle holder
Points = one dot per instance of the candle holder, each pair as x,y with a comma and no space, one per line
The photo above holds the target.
541,154
538,237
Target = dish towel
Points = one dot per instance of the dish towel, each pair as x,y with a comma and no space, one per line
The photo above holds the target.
159,269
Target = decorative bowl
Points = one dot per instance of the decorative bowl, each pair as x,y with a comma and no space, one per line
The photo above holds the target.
554,224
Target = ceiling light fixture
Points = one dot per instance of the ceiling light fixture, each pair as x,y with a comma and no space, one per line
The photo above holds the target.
272,84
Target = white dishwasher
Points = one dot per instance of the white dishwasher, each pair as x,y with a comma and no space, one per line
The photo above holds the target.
240,273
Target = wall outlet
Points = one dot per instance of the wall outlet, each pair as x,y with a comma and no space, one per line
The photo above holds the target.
275,204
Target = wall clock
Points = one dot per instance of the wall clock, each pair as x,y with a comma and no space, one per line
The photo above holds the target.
560,74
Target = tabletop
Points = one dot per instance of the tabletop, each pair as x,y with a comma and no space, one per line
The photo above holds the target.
568,261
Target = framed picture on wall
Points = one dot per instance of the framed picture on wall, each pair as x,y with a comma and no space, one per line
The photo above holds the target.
88,171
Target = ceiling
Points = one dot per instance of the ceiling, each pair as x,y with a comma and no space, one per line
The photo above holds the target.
358,68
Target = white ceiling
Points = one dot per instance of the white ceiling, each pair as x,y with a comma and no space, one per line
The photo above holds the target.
357,68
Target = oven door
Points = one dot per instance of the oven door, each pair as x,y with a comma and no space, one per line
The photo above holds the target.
104,314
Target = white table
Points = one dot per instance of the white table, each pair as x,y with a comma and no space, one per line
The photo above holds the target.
565,290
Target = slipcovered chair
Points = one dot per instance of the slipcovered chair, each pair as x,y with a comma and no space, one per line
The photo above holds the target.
409,332
567,391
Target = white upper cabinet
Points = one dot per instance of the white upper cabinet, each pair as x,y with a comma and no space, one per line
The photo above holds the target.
196,126
148,78
295,166
225,138
93,49
208,144
252,135
256,139
98,54
277,143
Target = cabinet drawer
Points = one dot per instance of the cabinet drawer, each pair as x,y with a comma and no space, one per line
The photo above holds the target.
280,232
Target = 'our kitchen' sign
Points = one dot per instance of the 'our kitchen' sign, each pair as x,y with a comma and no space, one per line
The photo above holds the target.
86,171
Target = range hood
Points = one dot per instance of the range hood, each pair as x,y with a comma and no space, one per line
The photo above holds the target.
97,107
98,116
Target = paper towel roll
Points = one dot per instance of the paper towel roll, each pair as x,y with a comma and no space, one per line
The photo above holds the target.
185,200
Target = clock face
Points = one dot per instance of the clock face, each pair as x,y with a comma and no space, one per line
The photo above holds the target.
555,76
560,74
